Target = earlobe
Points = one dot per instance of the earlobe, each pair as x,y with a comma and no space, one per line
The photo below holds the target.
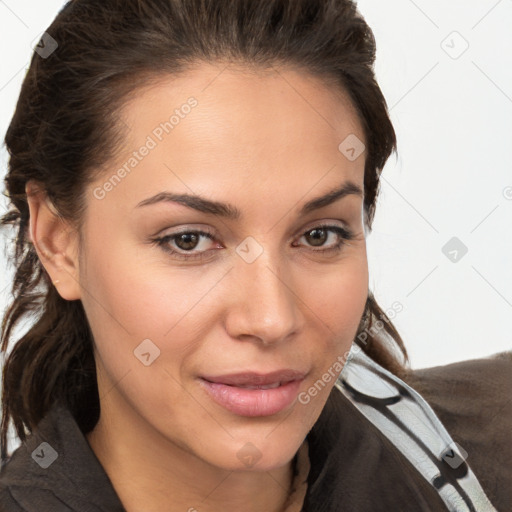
54,241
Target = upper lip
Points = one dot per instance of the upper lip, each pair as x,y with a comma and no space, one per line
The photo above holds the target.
257,379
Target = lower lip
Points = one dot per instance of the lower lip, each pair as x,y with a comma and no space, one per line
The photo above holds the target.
253,402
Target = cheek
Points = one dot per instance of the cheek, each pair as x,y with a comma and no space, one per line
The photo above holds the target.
338,301
338,297
132,295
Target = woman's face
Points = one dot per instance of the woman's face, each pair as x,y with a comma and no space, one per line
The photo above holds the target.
268,292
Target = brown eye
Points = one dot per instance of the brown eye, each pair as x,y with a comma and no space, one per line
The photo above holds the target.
317,236
185,244
186,241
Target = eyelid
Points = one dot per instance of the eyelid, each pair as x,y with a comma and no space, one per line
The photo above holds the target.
213,233
326,223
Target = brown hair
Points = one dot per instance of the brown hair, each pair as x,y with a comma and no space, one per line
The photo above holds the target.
65,128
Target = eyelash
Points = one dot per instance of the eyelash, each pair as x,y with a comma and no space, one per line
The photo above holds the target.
344,235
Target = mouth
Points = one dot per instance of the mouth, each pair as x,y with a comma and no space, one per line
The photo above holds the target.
254,394
247,379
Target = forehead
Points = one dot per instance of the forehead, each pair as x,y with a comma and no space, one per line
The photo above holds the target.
218,129
236,100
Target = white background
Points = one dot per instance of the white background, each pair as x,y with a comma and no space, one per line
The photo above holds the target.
452,178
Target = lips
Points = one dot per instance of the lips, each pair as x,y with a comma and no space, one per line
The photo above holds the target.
257,380
254,394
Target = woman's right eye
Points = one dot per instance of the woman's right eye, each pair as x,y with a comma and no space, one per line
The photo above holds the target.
185,238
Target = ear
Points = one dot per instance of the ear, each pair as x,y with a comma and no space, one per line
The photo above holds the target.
55,242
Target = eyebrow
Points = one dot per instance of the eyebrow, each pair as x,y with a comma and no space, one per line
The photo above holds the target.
229,211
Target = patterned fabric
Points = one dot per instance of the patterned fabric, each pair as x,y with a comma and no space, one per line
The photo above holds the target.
407,420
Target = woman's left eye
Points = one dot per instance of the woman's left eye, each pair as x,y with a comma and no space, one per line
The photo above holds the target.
185,241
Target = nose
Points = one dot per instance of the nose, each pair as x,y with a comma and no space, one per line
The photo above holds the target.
264,306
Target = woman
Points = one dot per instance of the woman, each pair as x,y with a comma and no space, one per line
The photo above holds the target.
192,183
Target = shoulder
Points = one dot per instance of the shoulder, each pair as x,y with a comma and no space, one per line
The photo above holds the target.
22,490
496,366
478,390
27,486
55,470
473,400
7,501
23,499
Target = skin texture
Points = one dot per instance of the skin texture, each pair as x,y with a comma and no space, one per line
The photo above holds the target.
266,143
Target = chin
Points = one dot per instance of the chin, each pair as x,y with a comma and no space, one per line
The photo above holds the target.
258,452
